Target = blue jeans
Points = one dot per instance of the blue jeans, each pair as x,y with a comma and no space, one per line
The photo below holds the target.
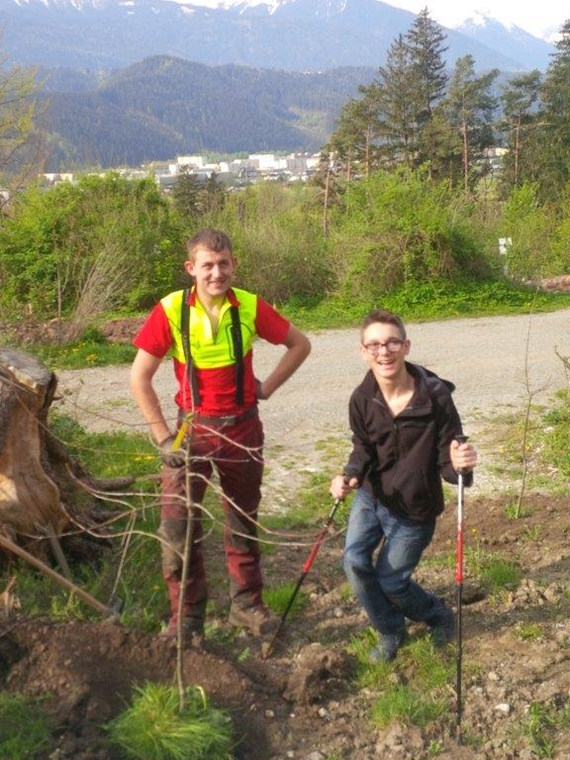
383,585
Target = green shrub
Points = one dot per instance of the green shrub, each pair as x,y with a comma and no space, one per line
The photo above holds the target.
402,230
531,228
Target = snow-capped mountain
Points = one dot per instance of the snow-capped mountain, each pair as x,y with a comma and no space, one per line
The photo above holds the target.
295,35
509,39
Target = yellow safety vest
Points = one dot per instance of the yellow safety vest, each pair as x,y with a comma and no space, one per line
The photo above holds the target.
206,350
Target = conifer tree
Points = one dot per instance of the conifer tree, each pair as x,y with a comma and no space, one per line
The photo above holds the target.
352,144
186,195
555,119
469,108
426,44
425,40
519,99
398,102
213,195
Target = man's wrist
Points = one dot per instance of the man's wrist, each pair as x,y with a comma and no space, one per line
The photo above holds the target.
162,437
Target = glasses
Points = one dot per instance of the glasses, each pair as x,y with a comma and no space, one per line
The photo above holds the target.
392,345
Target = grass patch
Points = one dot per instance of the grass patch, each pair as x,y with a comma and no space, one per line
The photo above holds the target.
92,350
498,574
514,511
491,570
155,728
530,631
547,447
418,700
277,598
311,506
219,634
532,534
132,522
421,302
557,437
404,703
540,729
106,455
25,730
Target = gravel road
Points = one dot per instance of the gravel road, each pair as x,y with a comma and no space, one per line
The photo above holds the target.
494,362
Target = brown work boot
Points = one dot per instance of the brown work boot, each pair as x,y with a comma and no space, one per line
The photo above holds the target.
258,619
192,630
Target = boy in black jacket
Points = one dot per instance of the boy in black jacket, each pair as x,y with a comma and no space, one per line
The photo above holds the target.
404,426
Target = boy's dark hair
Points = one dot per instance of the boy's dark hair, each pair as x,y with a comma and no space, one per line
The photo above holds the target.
384,317
213,240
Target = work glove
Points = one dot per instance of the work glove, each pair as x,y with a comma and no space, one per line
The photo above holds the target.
169,457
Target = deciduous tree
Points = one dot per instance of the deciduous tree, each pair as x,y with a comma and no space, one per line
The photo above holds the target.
21,154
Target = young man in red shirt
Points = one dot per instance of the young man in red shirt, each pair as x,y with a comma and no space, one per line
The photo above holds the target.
209,331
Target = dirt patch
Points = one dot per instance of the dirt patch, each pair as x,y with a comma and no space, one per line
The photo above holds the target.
89,671
301,702
122,330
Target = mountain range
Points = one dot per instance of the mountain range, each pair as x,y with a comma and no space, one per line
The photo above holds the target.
165,106
293,35
129,81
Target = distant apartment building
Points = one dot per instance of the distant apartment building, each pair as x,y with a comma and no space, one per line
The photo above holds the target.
193,162
257,167
56,178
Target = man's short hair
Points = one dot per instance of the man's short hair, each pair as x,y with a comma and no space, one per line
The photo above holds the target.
213,240
384,317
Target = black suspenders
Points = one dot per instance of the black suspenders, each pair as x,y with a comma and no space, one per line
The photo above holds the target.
237,344
238,352
185,330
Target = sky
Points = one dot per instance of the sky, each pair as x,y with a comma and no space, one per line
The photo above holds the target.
541,18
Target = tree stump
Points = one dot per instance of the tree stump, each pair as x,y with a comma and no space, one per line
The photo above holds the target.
42,488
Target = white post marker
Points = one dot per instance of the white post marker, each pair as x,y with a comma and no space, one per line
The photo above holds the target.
504,244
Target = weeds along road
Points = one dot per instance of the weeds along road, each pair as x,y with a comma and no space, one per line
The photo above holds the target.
496,363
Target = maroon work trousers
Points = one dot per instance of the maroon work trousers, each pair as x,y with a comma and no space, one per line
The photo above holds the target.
236,453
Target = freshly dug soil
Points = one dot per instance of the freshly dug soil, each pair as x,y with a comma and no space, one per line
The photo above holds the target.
301,702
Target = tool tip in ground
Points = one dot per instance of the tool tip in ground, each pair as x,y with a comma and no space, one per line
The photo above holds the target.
266,649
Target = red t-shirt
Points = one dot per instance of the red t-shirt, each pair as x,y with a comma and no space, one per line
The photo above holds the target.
217,387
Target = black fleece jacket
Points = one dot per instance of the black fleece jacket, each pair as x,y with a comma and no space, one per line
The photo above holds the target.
402,459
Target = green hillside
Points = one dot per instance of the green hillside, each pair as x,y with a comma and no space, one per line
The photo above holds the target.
165,106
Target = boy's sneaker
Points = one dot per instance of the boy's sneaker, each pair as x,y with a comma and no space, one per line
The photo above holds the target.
258,619
442,625
388,646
